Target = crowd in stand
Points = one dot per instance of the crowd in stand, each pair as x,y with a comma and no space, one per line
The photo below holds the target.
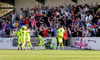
78,21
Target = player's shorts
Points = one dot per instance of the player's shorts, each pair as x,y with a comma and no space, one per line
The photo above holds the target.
28,39
23,40
60,36
60,39
19,40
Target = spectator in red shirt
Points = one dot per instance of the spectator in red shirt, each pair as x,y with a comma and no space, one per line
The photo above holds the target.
45,32
23,20
26,21
54,13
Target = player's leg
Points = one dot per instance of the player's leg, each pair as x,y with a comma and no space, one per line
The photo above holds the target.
62,42
43,45
23,43
58,42
31,45
27,40
19,42
51,45
56,39
39,45
62,45
30,42
18,45
27,44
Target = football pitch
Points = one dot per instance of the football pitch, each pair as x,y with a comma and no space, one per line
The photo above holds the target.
49,55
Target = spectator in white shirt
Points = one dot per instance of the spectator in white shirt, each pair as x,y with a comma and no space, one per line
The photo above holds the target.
57,13
67,13
87,18
83,14
32,32
86,9
21,13
90,17
88,25
13,17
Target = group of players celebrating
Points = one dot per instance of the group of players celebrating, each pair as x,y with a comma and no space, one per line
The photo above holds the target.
23,36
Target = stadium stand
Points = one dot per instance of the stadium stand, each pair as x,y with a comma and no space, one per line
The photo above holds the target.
34,3
79,20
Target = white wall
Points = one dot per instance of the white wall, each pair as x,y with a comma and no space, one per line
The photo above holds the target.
25,4
51,3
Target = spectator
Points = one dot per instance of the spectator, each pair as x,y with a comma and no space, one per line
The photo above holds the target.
98,32
81,20
69,32
7,30
50,32
98,22
33,22
16,25
55,32
85,32
44,30
13,17
3,34
0,25
3,25
65,37
90,17
0,33
91,33
32,34
23,20
21,13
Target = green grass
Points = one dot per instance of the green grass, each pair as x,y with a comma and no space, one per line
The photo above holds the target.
49,55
